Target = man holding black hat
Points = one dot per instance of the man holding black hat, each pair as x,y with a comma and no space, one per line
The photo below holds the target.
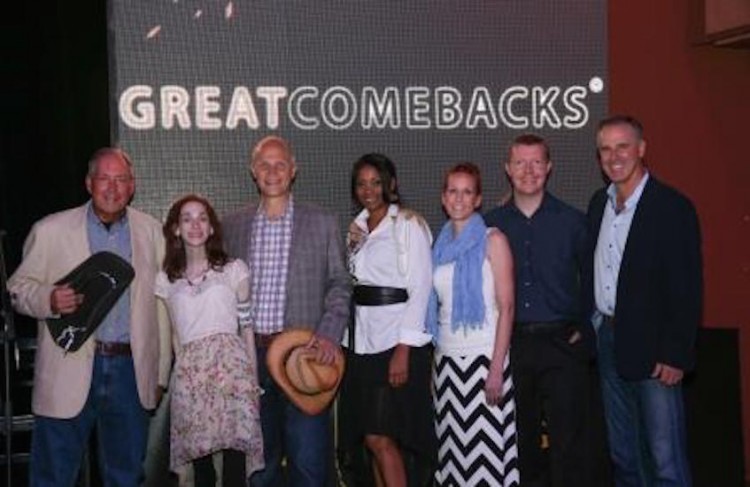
114,377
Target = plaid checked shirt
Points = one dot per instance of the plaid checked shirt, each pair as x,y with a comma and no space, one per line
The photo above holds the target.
271,240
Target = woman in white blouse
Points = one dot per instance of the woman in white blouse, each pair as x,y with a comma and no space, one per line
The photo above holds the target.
386,395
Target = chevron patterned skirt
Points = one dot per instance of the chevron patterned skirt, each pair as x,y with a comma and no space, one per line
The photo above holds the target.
477,442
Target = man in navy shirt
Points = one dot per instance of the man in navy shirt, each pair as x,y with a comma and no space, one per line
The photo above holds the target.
549,351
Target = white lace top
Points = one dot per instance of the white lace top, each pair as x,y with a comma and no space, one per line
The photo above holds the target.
205,308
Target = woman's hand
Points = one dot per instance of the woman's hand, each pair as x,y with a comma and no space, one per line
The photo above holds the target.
493,386
355,237
398,368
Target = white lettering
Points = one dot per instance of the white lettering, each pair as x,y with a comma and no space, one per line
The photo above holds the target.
480,108
448,113
339,107
242,108
174,104
205,106
137,115
504,108
343,98
543,107
578,112
294,109
381,112
417,107
272,95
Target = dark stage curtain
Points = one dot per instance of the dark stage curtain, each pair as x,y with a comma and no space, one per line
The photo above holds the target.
55,109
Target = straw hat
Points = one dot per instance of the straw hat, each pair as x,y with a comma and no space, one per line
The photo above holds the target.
309,385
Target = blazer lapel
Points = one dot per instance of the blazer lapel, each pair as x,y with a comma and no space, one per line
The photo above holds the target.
638,227
137,246
79,236
299,223
595,218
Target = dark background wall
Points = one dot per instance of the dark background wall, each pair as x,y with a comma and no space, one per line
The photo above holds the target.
692,99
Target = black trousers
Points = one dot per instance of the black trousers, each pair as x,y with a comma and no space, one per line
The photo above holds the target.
551,379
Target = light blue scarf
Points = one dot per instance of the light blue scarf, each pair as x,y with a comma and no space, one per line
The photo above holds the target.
467,250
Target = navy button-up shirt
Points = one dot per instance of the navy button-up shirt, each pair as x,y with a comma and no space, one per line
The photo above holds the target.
548,251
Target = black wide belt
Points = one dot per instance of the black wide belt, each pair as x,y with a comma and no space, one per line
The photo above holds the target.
379,295
540,327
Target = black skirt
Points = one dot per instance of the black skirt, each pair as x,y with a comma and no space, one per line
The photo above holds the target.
369,405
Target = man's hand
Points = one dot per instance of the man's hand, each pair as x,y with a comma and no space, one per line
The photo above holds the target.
666,374
398,368
325,349
64,300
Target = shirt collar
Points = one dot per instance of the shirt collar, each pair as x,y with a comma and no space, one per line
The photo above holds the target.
288,211
547,204
362,216
93,219
633,199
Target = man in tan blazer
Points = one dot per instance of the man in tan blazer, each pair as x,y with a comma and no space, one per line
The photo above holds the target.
113,379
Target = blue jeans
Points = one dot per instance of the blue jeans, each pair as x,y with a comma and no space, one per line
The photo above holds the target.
646,425
304,440
113,405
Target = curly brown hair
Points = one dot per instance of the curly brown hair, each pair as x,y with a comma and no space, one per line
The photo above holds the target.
175,259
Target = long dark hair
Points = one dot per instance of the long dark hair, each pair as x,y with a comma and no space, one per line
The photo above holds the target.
175,259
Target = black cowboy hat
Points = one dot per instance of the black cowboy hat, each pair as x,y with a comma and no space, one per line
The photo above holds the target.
101,279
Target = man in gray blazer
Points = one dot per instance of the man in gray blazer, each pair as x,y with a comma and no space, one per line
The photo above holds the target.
299,280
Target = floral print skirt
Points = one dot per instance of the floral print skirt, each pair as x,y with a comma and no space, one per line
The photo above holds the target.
215,402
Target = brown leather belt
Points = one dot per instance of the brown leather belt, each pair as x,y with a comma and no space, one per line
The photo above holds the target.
113,349
265,340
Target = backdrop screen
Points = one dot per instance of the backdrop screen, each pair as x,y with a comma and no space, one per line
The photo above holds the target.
195,83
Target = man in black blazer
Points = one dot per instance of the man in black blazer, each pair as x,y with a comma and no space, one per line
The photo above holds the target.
644,289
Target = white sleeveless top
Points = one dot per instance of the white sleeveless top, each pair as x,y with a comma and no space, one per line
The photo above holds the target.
477,341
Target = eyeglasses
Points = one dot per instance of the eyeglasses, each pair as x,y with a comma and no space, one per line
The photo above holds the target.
118,180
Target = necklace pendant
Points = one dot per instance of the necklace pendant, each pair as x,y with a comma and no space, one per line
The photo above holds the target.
196,287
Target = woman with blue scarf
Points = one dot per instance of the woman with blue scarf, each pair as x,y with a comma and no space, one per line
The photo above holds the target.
471,315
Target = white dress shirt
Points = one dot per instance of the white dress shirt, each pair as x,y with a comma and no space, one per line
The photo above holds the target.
397,253
613,235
